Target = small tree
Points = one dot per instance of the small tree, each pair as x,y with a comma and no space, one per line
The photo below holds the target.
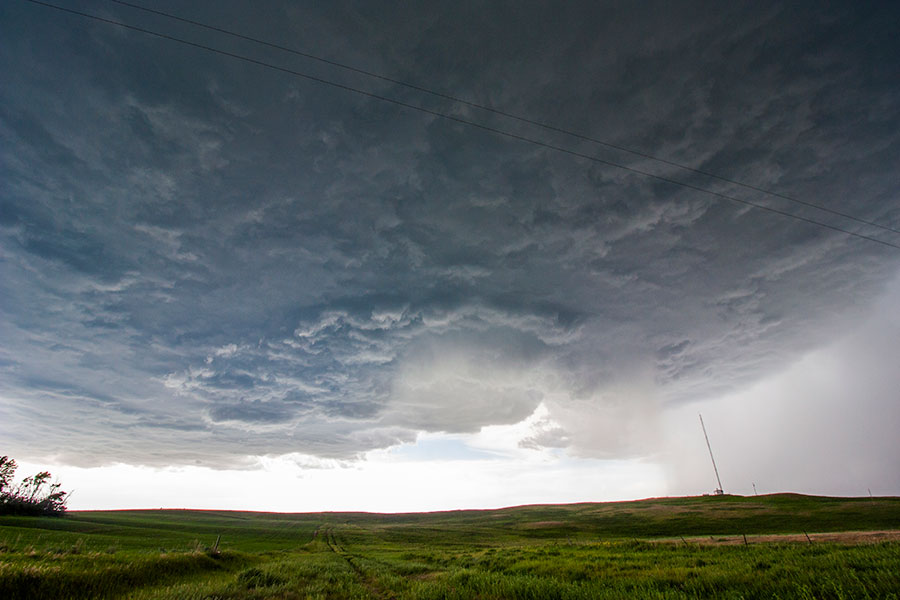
36,495
7,470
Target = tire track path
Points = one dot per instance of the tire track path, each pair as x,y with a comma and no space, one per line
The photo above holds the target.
369,581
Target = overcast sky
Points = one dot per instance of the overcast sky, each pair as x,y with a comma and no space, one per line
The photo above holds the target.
214,272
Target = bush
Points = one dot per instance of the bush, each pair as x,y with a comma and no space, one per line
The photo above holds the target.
35,495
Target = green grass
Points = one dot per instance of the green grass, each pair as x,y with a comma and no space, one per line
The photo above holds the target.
645,549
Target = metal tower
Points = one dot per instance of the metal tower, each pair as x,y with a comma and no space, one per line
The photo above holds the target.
718,491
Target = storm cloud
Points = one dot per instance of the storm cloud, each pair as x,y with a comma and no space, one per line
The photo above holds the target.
204,260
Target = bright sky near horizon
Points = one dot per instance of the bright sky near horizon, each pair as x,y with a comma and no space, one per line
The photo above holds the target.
226,286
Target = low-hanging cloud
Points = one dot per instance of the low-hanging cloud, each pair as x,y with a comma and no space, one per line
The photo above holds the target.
213,261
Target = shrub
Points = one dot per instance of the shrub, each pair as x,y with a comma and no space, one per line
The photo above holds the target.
35,495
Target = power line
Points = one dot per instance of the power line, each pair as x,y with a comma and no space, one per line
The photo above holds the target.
462,121
506,114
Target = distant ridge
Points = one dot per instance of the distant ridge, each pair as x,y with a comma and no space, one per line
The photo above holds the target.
651,517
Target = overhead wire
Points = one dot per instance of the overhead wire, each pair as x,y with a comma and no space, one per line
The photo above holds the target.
506,114
461,120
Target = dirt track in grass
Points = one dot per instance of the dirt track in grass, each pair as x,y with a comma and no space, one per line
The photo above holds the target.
840,537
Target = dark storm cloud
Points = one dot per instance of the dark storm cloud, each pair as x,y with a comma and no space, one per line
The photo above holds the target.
252,412
204,260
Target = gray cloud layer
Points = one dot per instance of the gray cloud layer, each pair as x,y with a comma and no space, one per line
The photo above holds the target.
204,260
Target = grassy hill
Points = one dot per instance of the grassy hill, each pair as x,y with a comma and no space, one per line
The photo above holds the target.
652,518
588,550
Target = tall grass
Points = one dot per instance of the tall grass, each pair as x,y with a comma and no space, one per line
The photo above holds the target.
33,574
668,571
565,552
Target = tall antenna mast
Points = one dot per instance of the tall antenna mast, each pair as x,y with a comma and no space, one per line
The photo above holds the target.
718,491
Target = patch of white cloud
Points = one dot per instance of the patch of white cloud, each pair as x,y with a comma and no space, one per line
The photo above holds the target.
226,351
619,419
168,243
446,388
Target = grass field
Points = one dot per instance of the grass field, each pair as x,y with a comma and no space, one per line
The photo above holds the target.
716,547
